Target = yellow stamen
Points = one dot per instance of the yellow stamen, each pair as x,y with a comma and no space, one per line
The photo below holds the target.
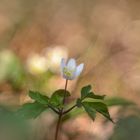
68,72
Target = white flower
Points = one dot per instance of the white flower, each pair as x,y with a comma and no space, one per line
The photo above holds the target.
37,64
70,71
54,54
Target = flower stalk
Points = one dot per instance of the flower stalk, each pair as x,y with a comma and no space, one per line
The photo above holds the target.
61,113
69,71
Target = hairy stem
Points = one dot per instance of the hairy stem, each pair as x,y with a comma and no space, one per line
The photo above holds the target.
61,113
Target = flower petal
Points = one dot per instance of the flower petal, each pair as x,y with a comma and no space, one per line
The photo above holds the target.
68,78
63,63
79,70
71,65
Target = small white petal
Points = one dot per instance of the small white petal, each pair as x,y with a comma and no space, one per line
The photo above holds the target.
66,77
71,65
63,63
79,70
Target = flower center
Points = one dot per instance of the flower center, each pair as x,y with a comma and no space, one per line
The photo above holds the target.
68,72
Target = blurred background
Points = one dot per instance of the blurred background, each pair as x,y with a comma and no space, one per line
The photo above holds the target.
104,34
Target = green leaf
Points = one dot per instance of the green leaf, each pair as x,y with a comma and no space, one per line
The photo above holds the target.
90,111
86,93
31,110
100,107
85,90
39,97
92,95
57,97
118,101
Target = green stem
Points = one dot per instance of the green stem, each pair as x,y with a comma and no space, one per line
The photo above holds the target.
67,111
56,111
61,113
64,99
